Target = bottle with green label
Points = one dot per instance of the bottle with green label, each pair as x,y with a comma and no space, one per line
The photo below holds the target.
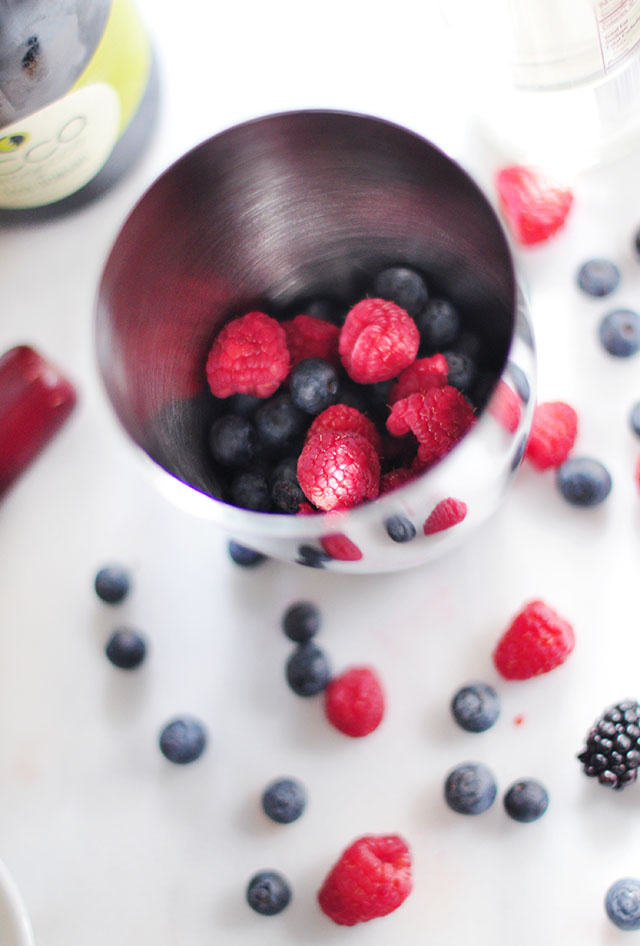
78,99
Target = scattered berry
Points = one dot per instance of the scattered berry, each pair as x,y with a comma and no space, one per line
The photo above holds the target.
554,429
475,707
536,641
533,206
233,440
268,893
400,529
622,903
338,546
314,385
526,800
598,277
372,878
344,419
404,286
634,418
301,621
354,702
583,481
309,337
438,324
312,556
378,340
337,471
284,800
248,356
112,584
612,750
421,375
278,422
126,648
284,487
244,556
308,671
619,332
449,512
470,788
250,490
183,740
438,418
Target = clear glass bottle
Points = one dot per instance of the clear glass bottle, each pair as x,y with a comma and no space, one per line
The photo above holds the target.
78,96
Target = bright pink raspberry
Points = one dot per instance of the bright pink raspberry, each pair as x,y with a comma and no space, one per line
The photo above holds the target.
423,374
378,339
354,701
248,356
449,512
337,471
341,547
553,433
504,406
438,418
344,419
533,206
536,641
392,479
371,878
308,337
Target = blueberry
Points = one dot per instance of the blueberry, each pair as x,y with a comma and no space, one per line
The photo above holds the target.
439,325
583,481
278,422
183,740
475,707
598,277
284,800
314,385
268,893
301,621
400,529
620,332
244,556
327,310
634,418
312,556
112,584
250,490
284,486
462,370
526,800
243,404
126,648
307,670
404,286
233,440
622,903
470,788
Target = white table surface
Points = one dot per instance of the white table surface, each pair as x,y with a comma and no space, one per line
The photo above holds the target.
108,842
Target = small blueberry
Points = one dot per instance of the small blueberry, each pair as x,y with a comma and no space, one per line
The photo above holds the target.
126,648
583,481
619,332
404,286
475,707
526,800
244,556
301,621
400,529
307,670
470,788
598,277
268,893
622,903
284,800
183,740
112,584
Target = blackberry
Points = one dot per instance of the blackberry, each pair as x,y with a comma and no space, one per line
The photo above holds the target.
619,333
284,486
284,800
439,325
598,277
314,385
126,648
612,752
404,286
112,584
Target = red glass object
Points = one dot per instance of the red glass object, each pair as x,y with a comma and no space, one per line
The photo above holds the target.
35,400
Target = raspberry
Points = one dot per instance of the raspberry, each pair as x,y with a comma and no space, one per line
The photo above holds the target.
354,702
392,479
504,406
378,339
248,356
372,878
308,337
337,470
439,418
553,432
537,640
344,419
533,206
422,374
340,547
449,512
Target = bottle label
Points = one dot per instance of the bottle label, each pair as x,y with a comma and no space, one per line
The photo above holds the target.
57,150
618,23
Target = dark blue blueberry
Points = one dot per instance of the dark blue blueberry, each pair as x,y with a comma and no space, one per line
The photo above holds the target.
475,707
244,556
126,648
183,740
328,310
404,286
112,584
250,490
634,419
400,529
526,800
439,325
470,788
314,385
243,404
307,670
620,332
284,800
622,903
312,556
233,440
583,481
268,893
279,422
284,486
462,370
301,621
598,277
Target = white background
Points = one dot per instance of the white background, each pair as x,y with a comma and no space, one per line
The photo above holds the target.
108,842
